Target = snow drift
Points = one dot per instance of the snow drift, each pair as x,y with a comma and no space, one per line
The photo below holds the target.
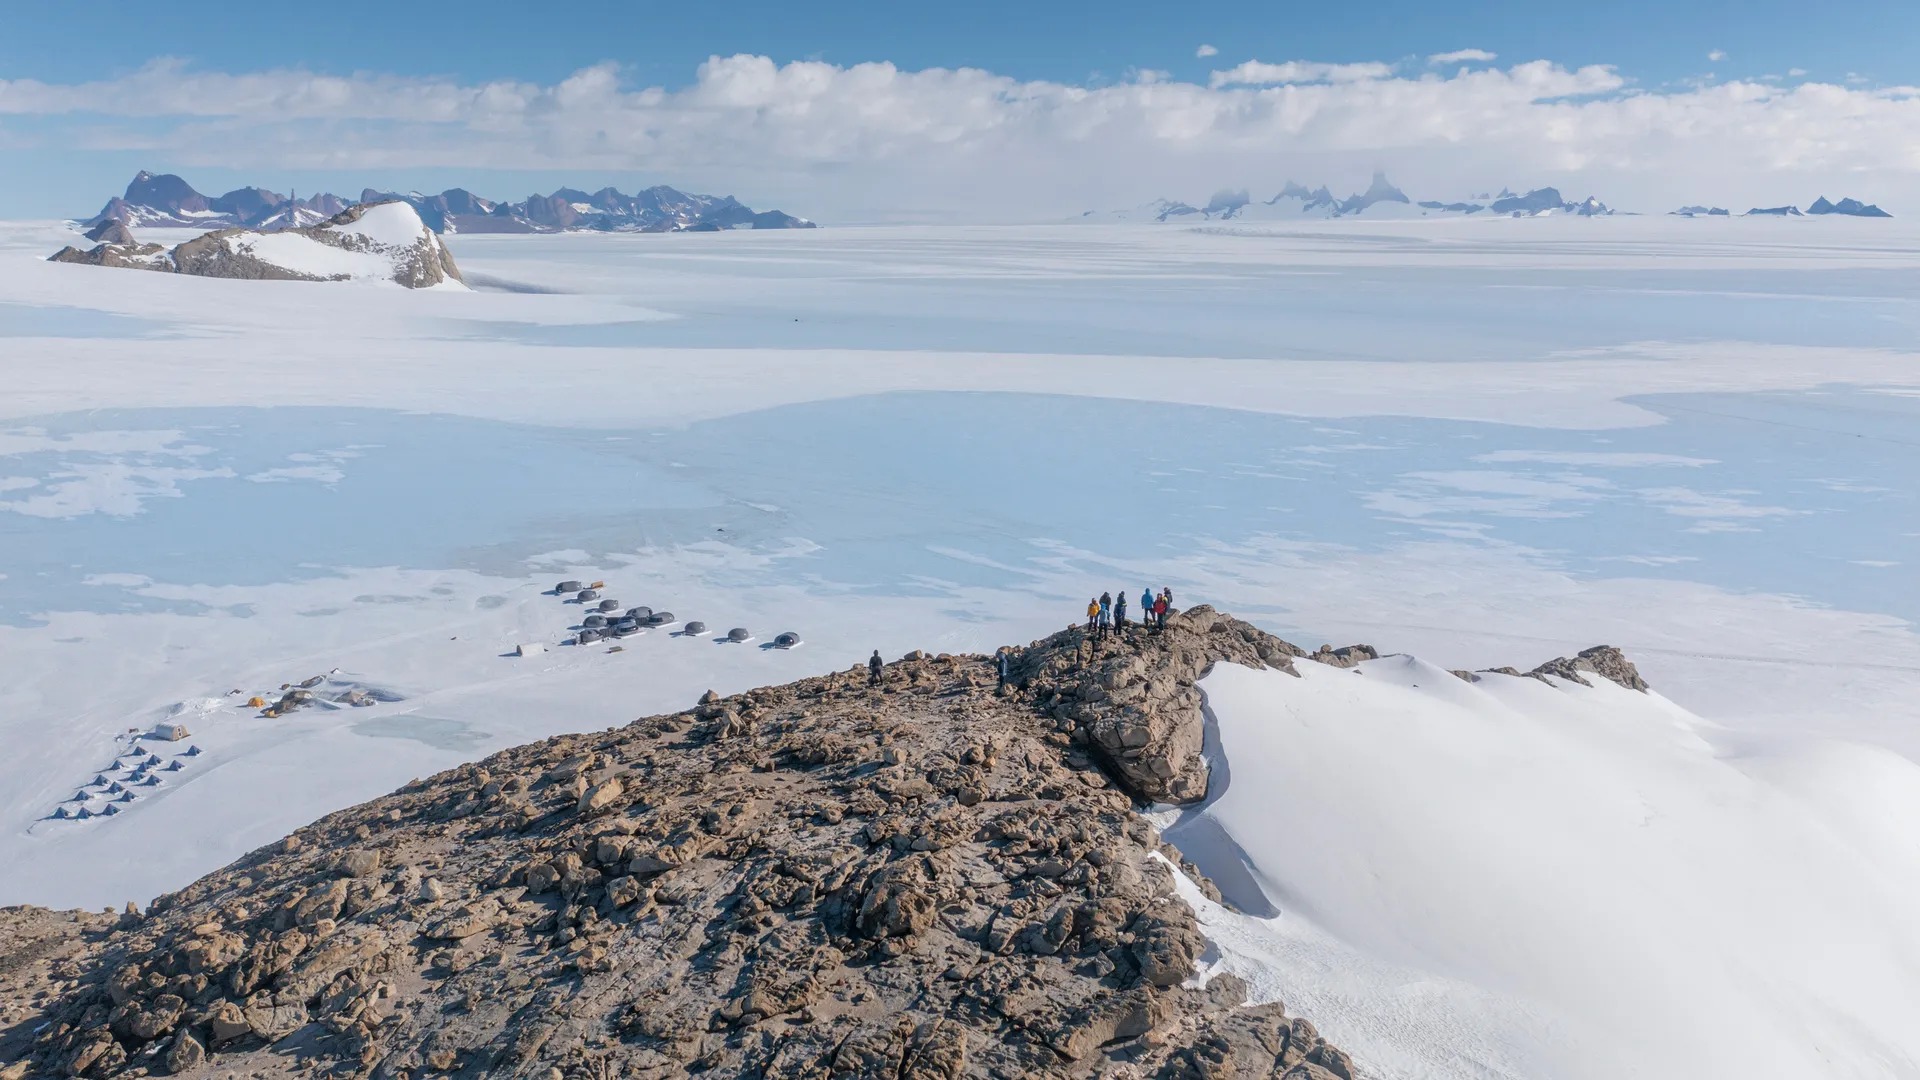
1533,877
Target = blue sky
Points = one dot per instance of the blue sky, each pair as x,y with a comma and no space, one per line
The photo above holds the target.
1087,105
1650,40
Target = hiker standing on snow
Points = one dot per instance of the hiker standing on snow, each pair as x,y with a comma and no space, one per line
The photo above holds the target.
874,667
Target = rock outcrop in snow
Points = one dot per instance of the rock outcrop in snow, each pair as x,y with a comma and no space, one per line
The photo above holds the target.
926,879
369,242
1603,660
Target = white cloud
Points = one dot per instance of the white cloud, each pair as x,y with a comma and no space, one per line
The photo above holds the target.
1460,56
1255,73
1205,51
1796,72
1717,55
875,139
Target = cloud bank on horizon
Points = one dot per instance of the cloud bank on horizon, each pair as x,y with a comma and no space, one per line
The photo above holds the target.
873,137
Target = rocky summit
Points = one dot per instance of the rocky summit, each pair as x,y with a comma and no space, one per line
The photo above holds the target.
928,876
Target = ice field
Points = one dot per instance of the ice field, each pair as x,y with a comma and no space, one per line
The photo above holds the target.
1476,443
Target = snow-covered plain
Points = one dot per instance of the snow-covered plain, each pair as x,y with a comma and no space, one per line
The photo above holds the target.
1478,442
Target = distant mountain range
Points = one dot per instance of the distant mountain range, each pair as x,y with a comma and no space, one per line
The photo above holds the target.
1845,208
167,201
1381,199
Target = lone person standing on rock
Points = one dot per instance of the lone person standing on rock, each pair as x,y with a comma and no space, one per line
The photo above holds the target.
1005,663
874,666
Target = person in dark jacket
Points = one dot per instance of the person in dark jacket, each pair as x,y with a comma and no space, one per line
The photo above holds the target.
1106,612
1120,612
1005,664
874,666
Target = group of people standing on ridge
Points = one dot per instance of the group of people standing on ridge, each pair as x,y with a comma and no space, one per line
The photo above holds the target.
1106,615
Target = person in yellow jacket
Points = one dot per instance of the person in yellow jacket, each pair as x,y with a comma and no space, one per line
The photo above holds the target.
1093,617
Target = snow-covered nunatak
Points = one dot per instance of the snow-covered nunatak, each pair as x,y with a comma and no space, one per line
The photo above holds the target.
378,242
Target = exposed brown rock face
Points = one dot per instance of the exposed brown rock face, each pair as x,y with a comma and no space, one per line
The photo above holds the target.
1135,702
928,879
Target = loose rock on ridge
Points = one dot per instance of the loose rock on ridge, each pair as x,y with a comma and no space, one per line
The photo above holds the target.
929,878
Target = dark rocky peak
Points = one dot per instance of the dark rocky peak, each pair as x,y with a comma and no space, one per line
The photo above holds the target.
1532,202
110,231
1846,207
549,210
326,203
1226,202
164,192
1378,192
248,204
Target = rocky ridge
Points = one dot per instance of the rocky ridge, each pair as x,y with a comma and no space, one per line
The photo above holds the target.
929,878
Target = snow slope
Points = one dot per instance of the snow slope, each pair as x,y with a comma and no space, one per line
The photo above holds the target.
1511,878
